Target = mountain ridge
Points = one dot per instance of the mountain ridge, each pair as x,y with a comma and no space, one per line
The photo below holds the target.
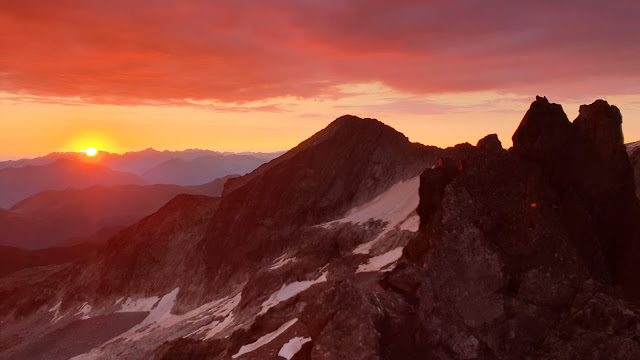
361,157
201,169
362,245
20,183
53,217
130,161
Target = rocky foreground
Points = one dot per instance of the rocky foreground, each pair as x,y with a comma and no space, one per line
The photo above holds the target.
358,244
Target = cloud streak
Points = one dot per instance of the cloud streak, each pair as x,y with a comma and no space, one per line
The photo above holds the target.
168,51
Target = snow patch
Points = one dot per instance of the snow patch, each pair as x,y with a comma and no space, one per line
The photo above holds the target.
411,224
56,315
137,305
227,305
119,301
160,316
221,308
217,326
264,340
162,310
395,206
159,313
94,354
290,290
376,263
84,311
281,261
56,307
292,347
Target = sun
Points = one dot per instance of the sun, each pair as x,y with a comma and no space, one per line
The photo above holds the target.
91,151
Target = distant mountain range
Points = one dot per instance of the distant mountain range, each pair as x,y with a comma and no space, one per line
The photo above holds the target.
20,183
135,162
200,170
20,179
69,198
56,217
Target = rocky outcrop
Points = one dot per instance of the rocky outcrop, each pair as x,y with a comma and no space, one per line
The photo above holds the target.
589,170
518,257
634,156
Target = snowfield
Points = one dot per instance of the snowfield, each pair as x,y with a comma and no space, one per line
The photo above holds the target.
396,207
136,305
84,311
291,348
264,339
379,262
290,290
281,261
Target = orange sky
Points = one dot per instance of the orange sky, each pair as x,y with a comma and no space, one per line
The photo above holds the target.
236,76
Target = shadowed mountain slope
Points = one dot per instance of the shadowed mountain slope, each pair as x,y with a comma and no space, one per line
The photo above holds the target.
13,259
53,218
348,163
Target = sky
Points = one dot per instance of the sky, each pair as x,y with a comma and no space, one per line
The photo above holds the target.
264,75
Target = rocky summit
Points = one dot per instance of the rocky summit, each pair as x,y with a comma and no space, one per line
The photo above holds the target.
634,156
358,244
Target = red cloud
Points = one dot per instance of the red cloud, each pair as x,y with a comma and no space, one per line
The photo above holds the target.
236,51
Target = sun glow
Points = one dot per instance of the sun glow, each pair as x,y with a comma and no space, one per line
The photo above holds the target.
91,151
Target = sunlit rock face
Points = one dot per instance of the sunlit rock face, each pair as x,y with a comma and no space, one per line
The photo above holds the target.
358,244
